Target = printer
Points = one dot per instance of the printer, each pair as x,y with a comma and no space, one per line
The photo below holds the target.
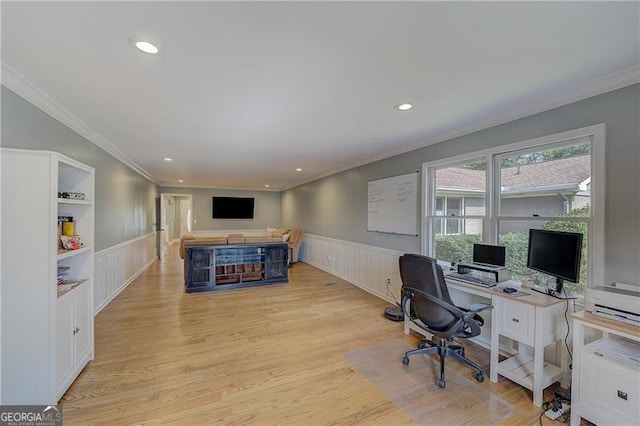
618,301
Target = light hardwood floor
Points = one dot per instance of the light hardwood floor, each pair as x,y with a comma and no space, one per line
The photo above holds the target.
265,355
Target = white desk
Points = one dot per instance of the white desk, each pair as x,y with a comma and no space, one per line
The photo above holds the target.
532,322
599,380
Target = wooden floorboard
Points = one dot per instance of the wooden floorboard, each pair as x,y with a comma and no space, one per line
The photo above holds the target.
264,355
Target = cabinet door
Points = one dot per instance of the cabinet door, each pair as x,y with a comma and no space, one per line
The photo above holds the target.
200,267
64,342
276,259
83,325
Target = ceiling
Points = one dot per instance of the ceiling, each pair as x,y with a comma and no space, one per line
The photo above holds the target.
243,93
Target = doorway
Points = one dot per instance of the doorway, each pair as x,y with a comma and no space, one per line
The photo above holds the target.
175,219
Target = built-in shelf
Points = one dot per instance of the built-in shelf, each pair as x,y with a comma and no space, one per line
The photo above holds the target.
76,202
70,285
57,318
64,254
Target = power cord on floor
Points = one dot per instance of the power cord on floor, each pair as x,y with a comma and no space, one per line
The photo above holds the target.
559,407
389,293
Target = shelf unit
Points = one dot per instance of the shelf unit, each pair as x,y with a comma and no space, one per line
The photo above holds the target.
532,324
605,386
221,267
47,330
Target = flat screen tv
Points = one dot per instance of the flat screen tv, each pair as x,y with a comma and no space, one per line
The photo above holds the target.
232,208
557,254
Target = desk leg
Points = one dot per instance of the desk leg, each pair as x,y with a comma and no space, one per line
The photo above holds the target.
495,346
538,366
578,343
564,365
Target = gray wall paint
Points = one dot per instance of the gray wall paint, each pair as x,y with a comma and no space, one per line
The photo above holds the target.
336,206
266,208
125,200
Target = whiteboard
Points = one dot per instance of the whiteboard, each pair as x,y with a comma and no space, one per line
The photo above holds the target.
392,204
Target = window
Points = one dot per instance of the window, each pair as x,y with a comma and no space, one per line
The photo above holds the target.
496,196
448,206
544,188
458,209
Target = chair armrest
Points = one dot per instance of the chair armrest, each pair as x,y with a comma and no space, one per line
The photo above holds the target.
479,307
468,320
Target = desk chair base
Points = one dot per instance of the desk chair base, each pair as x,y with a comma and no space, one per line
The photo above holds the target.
442,349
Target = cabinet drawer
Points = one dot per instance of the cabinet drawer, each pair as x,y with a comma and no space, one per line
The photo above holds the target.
516,320
609,390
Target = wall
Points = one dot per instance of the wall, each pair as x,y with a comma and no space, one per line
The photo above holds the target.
125,200
125,214
266,208
336,206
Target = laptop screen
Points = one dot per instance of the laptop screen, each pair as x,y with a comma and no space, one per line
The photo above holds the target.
489,255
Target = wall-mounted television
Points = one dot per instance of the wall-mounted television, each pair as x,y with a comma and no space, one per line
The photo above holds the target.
557,254
232,208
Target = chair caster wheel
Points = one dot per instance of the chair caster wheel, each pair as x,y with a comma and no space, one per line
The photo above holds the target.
480,377
405,360
441,383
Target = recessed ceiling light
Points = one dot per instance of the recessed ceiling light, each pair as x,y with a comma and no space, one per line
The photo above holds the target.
167,159
298,169
180,181
266,186
404,107
144,45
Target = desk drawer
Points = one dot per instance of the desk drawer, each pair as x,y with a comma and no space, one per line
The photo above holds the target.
516,320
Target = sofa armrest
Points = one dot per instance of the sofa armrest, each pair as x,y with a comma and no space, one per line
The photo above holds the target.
184,238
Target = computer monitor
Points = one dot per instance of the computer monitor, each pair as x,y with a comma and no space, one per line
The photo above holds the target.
557,254
485,254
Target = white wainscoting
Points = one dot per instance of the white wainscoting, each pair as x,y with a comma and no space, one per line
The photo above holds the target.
119,265
369,267
365,266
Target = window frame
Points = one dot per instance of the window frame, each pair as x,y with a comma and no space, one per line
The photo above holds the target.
596,235
429,175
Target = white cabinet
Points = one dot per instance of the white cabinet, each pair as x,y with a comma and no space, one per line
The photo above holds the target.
532,322
41,355
73,336
606,373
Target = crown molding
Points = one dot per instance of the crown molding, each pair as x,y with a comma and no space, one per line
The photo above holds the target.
14,81
24,88
223,188
609,83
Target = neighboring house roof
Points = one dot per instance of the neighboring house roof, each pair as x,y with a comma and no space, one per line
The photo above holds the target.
562,172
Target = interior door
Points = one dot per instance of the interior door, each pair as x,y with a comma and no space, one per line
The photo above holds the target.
185,217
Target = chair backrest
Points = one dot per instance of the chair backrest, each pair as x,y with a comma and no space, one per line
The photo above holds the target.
424,273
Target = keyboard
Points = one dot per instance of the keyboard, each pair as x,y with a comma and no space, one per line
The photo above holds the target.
466,278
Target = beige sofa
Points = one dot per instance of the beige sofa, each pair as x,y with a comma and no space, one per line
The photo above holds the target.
193,241
273,235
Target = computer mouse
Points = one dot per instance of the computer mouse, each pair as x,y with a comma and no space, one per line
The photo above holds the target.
509,290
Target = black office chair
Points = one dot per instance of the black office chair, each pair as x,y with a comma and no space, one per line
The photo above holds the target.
427,302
